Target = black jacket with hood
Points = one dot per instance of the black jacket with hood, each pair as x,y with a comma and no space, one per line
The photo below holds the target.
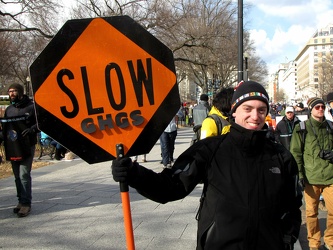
252,200
284,130
18,117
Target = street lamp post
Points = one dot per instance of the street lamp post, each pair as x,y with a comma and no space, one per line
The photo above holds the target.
240,41
246,74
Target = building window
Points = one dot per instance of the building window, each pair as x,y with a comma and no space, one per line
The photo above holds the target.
316,80
323,40
315,40
323,47
331,40
331,30
316,54
316,60
315,47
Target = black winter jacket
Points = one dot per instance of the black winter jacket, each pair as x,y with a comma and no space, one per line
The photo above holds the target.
284,130
251,200
18,117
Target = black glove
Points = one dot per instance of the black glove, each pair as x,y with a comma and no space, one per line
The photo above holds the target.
27,131
301,183
120,169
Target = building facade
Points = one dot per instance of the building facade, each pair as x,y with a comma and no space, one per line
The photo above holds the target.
303,77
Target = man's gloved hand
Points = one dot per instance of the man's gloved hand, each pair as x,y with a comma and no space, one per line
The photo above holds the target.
28,131
301,183
120,169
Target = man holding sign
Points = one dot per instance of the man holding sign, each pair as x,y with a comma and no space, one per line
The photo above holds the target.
250,200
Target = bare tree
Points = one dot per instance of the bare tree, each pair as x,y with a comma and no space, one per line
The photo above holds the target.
281,96
201,33
35,16
325,75
25,28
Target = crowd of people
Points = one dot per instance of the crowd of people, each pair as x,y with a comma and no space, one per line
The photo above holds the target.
249,198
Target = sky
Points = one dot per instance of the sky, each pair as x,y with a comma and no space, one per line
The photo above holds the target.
280,29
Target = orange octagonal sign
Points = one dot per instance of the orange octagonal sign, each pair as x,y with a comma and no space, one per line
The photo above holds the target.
101,82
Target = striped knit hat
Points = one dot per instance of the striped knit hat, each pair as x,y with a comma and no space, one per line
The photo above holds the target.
246,91
314,101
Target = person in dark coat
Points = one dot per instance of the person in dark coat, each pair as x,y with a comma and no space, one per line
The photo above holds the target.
285,127
20,137
301,110
201,110
250,200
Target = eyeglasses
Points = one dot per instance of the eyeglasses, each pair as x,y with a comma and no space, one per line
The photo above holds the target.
317,107
12,91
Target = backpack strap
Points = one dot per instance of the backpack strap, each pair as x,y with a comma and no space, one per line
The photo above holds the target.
220,122
302,133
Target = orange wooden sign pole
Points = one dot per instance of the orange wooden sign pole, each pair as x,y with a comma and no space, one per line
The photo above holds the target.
126,205
127,219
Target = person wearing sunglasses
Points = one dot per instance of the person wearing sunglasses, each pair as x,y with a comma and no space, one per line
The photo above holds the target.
314,158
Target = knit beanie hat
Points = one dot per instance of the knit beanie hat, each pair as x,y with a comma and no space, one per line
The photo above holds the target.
329,97
246,91
314,101
18,87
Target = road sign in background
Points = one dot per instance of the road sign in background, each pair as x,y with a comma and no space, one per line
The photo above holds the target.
101,82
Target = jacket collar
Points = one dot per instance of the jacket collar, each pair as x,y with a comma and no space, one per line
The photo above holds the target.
22,103
249,141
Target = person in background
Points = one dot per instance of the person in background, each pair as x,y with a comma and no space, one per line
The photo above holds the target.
272,111
60,150
221,107
329,107
250,200
284,129
190,115
20,139
314,160
282,112
201,110
144,158
168,139
300,109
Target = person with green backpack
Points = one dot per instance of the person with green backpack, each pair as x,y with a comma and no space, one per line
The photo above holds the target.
311,145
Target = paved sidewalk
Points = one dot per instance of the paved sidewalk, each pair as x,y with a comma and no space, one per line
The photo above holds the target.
78,206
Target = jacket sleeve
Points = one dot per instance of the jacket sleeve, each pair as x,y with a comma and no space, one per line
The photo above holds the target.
177,182
291,219
297,150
